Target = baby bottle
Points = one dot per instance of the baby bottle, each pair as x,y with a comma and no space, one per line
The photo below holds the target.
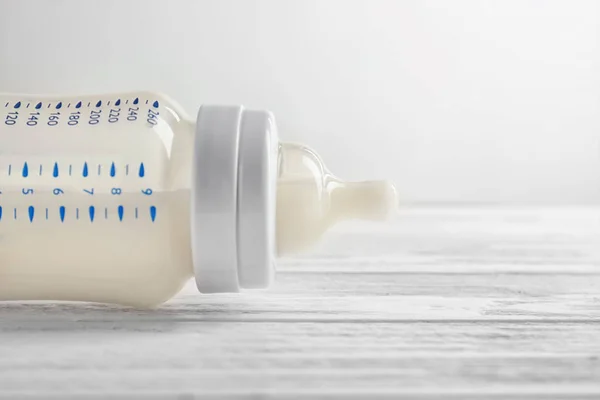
122,198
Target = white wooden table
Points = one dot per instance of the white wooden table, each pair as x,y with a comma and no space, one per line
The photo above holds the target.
449,302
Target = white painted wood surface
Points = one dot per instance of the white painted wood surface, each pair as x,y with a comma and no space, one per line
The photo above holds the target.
442,302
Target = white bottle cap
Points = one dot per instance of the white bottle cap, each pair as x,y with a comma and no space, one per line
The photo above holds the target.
233,199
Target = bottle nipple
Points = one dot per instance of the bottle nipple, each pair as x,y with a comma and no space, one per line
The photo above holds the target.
373,200
310,199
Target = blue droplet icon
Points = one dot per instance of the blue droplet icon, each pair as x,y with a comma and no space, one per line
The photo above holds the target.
55,170
153,213
61,211
59,105
78,105
120,210
85,170
18,104
137,100
25,170
92,213
142,171
118,102
99,103
113,170
38,106
31,212
155,104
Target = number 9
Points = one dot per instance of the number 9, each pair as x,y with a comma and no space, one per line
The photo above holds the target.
147,192
58,191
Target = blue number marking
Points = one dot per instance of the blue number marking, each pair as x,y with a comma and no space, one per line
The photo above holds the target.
105,213
58,191
74,118
40,169
15,213
18,104
119,211
108,103
152,117
31,212
0,213
99,103
147,192
33,118
132,114
46,214
38,105
118,102
113,170
70,169
28,104
136,213
136,101
55,170
9,169
11,118
146,101
61,212
26,191
153,213
113,115
85,170
59,105
25,170
127,169
53,118
99,169
78,105
92,213
155,104
91,191
142,171
77,213
94,117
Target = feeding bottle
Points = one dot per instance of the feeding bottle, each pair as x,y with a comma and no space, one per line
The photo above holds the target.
122,198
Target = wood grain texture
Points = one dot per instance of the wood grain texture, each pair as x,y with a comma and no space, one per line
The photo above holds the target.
441,303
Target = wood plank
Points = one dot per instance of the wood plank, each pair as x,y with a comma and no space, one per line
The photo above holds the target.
443,302
287,358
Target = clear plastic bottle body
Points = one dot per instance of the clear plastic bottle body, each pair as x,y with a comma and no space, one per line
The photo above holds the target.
94,198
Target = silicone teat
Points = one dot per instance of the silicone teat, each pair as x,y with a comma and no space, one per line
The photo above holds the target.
375,200
310,199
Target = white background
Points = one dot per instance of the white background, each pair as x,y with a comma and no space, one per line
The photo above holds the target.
474,101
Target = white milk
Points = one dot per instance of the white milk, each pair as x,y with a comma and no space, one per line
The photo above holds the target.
95,198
